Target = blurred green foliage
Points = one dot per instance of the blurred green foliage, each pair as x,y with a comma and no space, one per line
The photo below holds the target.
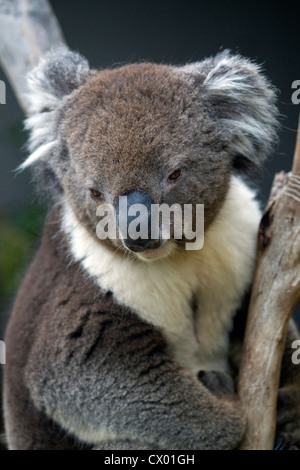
19,235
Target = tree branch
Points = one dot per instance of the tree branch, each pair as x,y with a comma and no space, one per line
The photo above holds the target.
28,29
275,293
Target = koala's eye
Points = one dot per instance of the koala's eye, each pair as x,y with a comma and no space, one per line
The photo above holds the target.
95,194
174,176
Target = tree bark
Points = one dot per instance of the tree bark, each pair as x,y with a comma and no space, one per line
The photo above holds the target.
28,29
275,293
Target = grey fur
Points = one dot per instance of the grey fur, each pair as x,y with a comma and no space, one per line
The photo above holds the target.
83,370
242,102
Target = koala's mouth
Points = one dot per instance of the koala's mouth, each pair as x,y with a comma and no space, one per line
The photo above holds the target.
155,250
162,251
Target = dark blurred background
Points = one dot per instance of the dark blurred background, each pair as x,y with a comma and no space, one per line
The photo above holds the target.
110,32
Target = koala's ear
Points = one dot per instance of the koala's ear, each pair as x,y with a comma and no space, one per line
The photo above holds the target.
241,101
57,75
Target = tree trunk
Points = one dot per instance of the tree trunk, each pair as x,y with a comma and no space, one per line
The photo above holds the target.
28,29
275,293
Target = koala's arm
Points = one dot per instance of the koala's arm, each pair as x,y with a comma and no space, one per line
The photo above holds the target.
97,371
111,379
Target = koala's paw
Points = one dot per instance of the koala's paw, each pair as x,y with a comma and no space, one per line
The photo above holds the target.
218,383
288,420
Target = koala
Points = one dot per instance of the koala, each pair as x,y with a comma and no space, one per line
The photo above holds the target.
134,343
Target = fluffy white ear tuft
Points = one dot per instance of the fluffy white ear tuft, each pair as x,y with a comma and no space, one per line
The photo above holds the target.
40,152
59,73
241,100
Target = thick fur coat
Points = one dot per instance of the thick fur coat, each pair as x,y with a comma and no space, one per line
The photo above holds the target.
112,349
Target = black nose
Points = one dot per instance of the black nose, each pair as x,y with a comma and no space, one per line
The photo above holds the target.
138,248
133,212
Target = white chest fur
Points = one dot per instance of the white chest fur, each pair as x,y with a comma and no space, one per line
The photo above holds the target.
162,291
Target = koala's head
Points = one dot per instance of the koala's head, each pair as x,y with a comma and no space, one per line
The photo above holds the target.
154,133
